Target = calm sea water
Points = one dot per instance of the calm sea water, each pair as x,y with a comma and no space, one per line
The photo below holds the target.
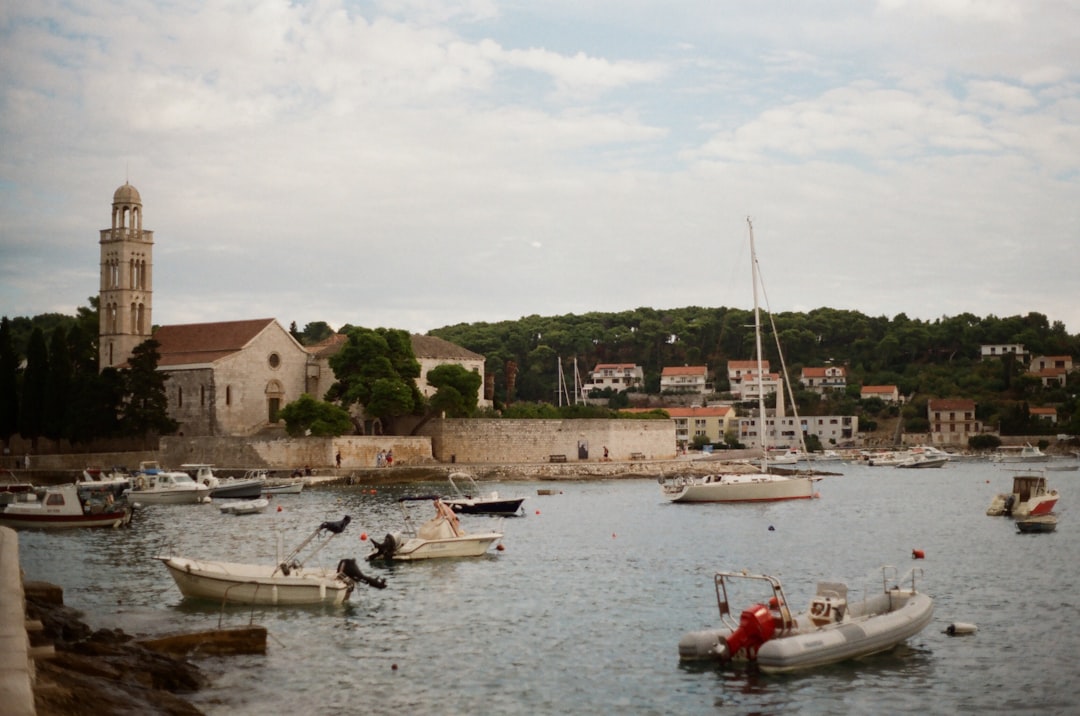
583,610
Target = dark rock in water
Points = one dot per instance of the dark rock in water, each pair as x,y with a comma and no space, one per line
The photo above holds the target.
95,673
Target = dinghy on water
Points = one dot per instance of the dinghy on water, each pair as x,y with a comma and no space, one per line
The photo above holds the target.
831,630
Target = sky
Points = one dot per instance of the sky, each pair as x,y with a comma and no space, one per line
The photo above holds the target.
417,164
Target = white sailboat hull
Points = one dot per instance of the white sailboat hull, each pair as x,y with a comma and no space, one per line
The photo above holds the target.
740,488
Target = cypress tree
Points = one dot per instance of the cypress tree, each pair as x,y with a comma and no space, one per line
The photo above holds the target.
9,391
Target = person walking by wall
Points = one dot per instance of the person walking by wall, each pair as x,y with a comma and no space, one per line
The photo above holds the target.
337,459
389,458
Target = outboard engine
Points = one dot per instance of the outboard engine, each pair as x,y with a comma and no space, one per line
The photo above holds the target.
384,549
756,626
350,569
1010,502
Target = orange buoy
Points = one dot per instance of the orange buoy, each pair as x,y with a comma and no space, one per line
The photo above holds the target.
279,508
538,512
499,547
917,554
363,536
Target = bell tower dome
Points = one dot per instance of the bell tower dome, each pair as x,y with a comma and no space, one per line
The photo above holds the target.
125,296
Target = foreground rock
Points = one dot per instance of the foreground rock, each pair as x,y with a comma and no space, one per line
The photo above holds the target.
102,672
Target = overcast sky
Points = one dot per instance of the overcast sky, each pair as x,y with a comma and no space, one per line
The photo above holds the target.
415,164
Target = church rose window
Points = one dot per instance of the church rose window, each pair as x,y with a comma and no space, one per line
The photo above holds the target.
275,360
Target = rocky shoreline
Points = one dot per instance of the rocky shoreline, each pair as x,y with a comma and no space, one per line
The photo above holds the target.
96,673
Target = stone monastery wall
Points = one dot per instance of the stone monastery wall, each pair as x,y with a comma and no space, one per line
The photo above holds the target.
502,441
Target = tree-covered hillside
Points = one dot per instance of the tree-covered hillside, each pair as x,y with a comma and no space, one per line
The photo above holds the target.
924,359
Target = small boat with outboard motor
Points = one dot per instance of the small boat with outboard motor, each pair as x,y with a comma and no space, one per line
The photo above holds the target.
289,582
831,630
440,537
475,502
1031,495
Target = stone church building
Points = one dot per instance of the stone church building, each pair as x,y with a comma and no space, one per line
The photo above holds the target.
228,378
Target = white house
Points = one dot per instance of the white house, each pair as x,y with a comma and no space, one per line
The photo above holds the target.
1052,370
888,393
617,376
685,379
997,350
823,379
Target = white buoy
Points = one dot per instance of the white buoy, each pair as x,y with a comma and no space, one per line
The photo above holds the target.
960,628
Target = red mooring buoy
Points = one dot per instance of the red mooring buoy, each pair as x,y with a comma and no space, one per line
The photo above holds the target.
918,554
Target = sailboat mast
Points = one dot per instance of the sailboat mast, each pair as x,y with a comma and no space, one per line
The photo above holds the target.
757,346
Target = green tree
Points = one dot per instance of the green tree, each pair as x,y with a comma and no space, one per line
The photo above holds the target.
377,370
146,406
9,386
58,388
457,390
35,382
307,416
97,402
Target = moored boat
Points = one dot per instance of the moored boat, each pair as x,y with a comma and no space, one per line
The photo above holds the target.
478,503
831,630
155,486
289,582
65,506
1019,453
1037,523
440,537
240,488
245,507
763,485
1031,495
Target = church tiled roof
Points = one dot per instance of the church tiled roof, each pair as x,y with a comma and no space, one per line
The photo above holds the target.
201,343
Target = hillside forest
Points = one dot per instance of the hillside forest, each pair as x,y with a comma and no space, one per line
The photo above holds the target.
925,359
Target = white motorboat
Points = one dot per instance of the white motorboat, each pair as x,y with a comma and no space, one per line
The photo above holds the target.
1019,453
1031,495
65,506
478,503
763,485
248,487
289,582
283,487
155,486
831,630
246,507
439,537
923,457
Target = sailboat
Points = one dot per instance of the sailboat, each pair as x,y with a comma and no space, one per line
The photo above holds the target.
759,486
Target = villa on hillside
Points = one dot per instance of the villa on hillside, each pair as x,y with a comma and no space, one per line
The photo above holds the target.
1048,415
824,379
685,379
997,350
887,393
617,376
952,421
1051,370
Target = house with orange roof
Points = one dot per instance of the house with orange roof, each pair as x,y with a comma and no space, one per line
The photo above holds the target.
685,379
952,421
617,376
738,369
823,379
1051,370
1048,415
887,393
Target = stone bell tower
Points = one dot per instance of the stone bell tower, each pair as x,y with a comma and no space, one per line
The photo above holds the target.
125,296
